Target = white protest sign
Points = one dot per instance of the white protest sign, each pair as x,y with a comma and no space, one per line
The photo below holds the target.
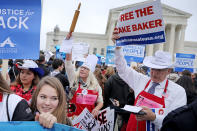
85,121
106,120
141,24
48,54
79,50
66,46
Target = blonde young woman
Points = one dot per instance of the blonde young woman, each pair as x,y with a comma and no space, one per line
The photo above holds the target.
49,101
85,90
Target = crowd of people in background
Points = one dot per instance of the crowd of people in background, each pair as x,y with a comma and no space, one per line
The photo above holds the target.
50,91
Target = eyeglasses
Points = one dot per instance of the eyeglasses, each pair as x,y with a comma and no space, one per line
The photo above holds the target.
84,68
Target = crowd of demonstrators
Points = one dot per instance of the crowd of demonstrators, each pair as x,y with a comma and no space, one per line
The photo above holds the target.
150,92
27,79
43,89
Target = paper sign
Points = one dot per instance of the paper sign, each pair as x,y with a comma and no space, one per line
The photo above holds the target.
85,121
106,120
79,50
66,46
133,109
33,126
141,24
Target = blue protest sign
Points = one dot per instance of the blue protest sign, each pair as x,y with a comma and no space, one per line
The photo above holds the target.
131,53
20,22
184,62
59,55
134,53
33,126
110,55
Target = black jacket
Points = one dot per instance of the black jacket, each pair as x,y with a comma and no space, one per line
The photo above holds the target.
182,119
116,88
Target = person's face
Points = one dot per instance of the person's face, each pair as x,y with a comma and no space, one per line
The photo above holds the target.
159,75
47,99
83,72
26,76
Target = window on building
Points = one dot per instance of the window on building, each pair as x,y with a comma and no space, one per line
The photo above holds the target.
95,51
102,51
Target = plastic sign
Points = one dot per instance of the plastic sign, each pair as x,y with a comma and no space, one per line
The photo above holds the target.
131,53
184,62
141,24
20,29
33,126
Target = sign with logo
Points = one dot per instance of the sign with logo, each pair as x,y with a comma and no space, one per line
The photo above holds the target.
134,53
184,62
33,126
110,56
131,53
141,24
20,22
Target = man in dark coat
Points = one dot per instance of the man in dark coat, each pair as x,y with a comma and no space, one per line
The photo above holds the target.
117,90
181,119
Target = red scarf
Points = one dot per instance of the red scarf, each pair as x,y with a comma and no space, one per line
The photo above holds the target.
1,97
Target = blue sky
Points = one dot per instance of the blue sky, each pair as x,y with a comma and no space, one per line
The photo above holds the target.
94,14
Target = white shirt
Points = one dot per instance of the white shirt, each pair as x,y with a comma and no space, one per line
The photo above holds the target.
176,96
13,100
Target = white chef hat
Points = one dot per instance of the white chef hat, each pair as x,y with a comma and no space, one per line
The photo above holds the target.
90,62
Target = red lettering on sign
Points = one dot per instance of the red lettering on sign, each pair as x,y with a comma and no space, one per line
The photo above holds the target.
124,29
127,16
144,12
147,25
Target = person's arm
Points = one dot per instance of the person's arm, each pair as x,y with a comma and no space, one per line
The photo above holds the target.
95,111
129,75
70,69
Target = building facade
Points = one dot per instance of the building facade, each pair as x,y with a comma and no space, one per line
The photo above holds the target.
175,25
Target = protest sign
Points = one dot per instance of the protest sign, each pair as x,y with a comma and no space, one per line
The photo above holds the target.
131,53
134,53
141,24
79,50
59,55
110,55
85,121
184,62
33,126
106,120
103,122
20,29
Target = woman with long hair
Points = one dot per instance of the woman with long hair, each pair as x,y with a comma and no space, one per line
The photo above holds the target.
85,90
27,79
49,100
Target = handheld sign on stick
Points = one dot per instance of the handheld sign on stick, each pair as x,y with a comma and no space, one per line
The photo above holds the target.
72,27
